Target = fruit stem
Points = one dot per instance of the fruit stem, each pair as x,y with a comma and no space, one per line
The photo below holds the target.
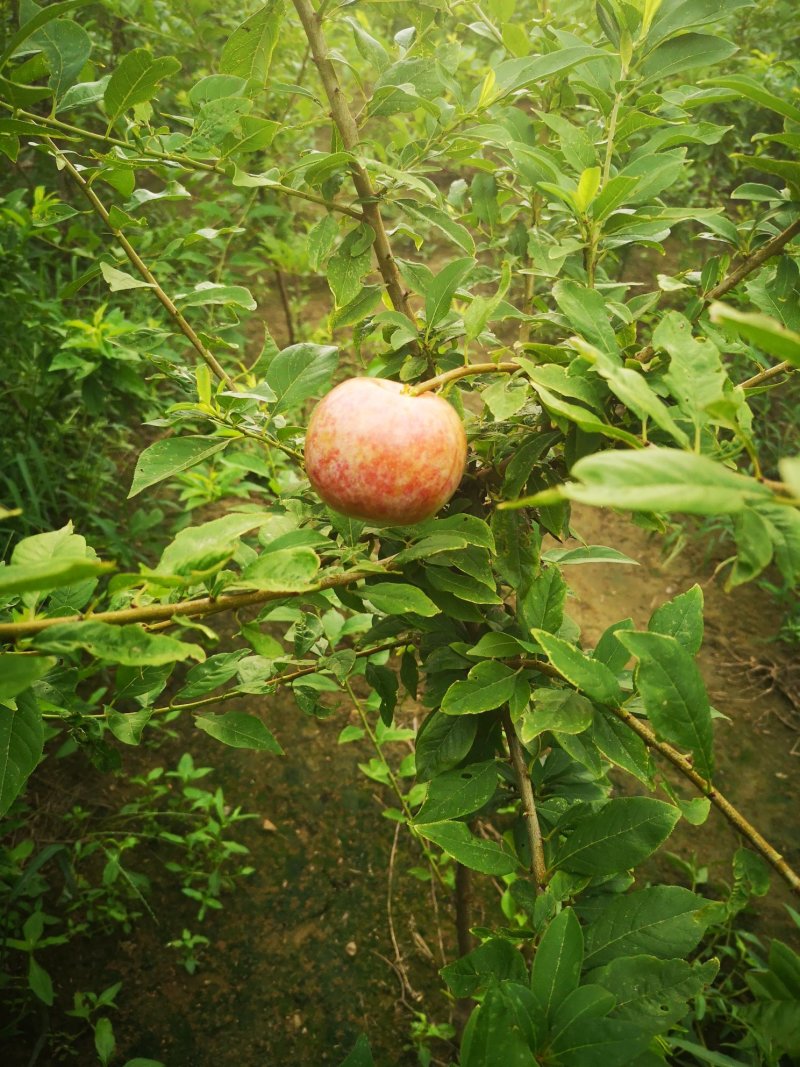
462,372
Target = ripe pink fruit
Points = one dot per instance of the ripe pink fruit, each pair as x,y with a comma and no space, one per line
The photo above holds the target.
375,452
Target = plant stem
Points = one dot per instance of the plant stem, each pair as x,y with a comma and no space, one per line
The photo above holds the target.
190,609
766,375
348,131
141,266
174,157
753,261
731,813
280,679
731,280
519,763
681,763
462,372
286,304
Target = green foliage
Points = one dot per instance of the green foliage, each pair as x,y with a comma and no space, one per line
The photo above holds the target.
484,184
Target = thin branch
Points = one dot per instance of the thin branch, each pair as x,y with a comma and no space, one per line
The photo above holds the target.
766,375
681,763
279,679
62,129
731,813
730,281
468,371
189,609
141,266
753,261
532,827
348,131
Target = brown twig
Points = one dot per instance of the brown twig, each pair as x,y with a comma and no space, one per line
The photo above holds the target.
64,131
189,609
731,813
532,827
754,261
731,280
348,131
140,265
766,375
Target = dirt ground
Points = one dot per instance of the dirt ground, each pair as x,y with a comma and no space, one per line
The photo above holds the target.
301,957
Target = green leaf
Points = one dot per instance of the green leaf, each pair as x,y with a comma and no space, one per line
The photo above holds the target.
53,547
587,554
299,372
204,677
681,618
128,728
440,294
654,990
442,743
755,91
577,1008
21,744
495,958
36,22
361,1055
207,293
661,479
129,644
67,46
202,548
673,693
18,671
239,730
135,81
82,94
585,310
610,1042
248,51
171,456
764,332
590,676
487,686
684,53
662,921
104,1041
620,745
558,960
624,832
457,793
455,839
558,710
349,263
457,233
505,397
397,598
384,682
503,1029
48,575
118,281
514,74
39,982
608,649
464,586
540,603
632,389
286,569
583,418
